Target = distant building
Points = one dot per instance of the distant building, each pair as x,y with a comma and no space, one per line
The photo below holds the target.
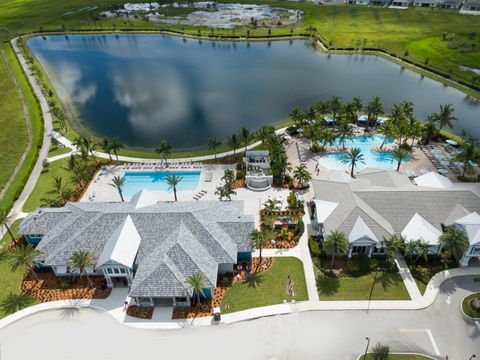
359,2
471,7
403,4
383,3
451,4
425,3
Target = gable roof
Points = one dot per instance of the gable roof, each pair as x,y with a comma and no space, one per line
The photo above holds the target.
420,229
143,198
122,246
471,225
361,231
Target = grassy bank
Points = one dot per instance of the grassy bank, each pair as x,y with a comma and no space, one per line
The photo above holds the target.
13,145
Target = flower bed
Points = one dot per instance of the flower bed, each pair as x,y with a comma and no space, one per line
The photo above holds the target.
49,287
140,312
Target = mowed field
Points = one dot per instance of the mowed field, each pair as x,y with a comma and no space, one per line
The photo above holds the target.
13,128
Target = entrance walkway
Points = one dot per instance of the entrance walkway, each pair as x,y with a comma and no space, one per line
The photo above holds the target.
407,278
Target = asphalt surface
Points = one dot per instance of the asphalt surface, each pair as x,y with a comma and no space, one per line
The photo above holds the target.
438,330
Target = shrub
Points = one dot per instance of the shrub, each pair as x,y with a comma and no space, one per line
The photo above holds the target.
359,265
240,175
313,246
380,352
66,283
299,230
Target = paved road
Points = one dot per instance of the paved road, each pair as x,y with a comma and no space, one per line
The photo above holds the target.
89,334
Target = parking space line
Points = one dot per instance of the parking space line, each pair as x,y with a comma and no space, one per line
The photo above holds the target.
430,336
478,324
432,340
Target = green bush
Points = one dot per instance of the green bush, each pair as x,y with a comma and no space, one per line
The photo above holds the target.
380,352
240,175
299,230
66,283
359,265
313,246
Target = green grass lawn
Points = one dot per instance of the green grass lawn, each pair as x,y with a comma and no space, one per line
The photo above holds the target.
13,134
9,281
467,308
45,183
58,150
399,357
267,288
421,286
387,286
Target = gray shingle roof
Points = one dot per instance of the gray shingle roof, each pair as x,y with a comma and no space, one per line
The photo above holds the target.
178,238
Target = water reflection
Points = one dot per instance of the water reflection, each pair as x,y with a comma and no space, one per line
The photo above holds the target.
144,88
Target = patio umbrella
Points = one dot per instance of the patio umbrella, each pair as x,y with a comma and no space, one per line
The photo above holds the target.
451,142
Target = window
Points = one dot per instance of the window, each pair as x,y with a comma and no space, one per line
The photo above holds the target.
115,270
475,250
122,270
359,249
181,300
109,270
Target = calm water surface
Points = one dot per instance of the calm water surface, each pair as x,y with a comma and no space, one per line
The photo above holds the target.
144,88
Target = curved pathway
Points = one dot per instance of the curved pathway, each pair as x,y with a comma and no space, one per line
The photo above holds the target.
76,333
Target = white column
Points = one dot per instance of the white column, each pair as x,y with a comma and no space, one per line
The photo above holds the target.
370,251
350,252
109,281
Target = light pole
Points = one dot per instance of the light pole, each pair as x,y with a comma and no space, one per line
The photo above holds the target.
472,357
366,349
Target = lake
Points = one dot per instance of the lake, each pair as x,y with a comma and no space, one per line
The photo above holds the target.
147,87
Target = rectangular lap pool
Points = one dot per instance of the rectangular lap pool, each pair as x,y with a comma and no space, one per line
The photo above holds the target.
156,181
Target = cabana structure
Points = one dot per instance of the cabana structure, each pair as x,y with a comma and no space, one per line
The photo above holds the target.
425,3
434,180
257,163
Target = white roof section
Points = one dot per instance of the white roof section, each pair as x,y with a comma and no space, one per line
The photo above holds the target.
339,176
122,247
360,230
471,224
143,198
433,179
420,229
363,118
324,209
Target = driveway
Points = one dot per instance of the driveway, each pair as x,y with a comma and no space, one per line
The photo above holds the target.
90,334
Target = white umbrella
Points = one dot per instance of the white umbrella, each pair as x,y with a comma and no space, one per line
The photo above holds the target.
451,142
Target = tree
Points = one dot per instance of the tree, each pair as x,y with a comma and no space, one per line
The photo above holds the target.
116,145
444,117
225,192
297,117
374,110
117,182
246,136
455,241
345,133
302,175
258,240
265,132
335,105
164,150
4,220
357,105
396,243
399,155
173,181
352,158
81,260
313,133
388,131
213,144
327,137
429,130
105,144
380,352
468,152
14,302
228,176
196,283
234,142
24,256
336,243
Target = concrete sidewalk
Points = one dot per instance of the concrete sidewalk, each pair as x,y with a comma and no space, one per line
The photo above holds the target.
407,278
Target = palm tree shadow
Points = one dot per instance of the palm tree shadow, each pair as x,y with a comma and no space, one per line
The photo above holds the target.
327,285
69,312
253,280
386,280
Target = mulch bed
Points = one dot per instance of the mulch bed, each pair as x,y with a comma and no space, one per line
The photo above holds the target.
224,282
48,287
281,244
238,184
140,312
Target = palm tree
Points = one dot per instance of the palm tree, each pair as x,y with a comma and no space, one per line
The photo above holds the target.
327,137
81,260
444,117
336,243
422,250
335,105
345,133
213,144
90,147
246,136
228,176
399,155
352,158
321,107
118,182
234,142
4,220
58,187
279,165
302,175
357,105
265,132
396,243
258,240
173,181
388,131
14,302
225,192
374,110
271,205
164,150
24,256
196,283
468,152
297,116
115,145
429,130
79,143
411,247
415,131
455,241
313,133
105,144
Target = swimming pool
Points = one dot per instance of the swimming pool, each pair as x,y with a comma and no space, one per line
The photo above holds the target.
156,181
365,143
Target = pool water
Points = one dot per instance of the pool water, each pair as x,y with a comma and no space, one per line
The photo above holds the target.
156,181
372,158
